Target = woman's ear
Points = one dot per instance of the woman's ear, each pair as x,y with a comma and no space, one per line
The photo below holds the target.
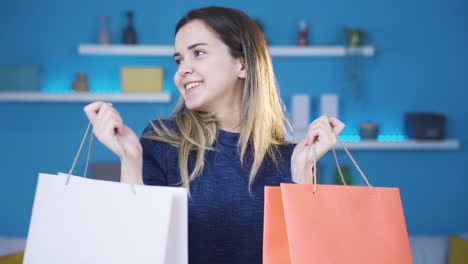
242,70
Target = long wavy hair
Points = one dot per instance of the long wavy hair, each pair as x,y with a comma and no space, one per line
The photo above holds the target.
263,121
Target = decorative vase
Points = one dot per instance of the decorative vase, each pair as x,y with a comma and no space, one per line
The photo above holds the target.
129,35
104,35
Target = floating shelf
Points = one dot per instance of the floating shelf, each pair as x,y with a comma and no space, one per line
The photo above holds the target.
85,97
320,51
275,51
395,142
126,50
447,144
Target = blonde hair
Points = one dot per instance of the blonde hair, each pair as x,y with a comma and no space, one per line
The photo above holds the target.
262,123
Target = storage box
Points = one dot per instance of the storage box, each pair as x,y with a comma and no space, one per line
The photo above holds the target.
141,79
425,126
20,78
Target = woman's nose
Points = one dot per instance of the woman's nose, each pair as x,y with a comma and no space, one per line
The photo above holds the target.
184,70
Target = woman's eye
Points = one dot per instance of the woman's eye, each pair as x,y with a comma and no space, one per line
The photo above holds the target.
177,61
198,52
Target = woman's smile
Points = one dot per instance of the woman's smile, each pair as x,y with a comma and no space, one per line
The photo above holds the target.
190,87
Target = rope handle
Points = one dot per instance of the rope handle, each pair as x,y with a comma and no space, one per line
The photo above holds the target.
354,162
88,156
314,174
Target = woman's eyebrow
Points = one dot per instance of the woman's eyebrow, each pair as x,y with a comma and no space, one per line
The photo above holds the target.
191,47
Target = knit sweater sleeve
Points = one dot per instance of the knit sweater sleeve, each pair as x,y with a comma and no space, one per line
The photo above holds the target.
155,159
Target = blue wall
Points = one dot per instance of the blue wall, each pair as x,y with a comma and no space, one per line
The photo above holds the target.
420,65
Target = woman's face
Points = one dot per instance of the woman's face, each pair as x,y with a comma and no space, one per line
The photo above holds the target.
208,77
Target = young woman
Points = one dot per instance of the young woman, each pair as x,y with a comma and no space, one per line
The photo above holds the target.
226,139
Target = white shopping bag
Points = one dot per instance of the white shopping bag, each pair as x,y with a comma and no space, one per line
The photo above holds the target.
80,220
94,221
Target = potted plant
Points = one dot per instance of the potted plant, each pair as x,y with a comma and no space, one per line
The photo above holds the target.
353,69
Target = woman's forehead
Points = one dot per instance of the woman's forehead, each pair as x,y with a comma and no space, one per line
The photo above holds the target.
194,32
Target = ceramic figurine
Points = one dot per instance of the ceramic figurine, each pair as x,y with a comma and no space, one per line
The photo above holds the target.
80,84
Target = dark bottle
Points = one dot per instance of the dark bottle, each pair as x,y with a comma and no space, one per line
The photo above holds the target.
129,33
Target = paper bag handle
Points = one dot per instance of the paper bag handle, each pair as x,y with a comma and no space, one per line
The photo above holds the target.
314,179
88,157
78,154
354,162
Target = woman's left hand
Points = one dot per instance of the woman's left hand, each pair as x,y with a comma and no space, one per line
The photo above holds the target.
320,138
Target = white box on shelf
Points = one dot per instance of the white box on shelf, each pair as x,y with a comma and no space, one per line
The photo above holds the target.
329,105
300,114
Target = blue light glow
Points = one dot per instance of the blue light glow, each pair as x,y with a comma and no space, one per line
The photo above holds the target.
380,138
350,138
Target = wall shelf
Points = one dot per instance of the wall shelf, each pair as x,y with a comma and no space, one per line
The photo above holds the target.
320,51
84,97
37,97
447,144
353,142
275,51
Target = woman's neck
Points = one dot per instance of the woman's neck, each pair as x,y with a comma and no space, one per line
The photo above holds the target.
228,112
229,120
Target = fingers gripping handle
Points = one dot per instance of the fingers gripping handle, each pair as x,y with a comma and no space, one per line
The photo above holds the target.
88,156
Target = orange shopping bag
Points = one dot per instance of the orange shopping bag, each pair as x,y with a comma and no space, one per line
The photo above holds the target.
310,223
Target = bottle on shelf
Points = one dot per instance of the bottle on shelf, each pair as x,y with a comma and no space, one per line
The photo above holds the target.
104,37
302,39
129,35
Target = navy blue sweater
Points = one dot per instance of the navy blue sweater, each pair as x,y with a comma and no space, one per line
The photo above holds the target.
225,221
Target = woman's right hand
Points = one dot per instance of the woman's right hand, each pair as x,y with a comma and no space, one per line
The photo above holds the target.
109,129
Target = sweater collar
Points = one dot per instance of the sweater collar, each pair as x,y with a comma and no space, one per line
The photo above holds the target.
226,138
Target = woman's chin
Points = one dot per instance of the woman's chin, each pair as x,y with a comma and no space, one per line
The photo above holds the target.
193,106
